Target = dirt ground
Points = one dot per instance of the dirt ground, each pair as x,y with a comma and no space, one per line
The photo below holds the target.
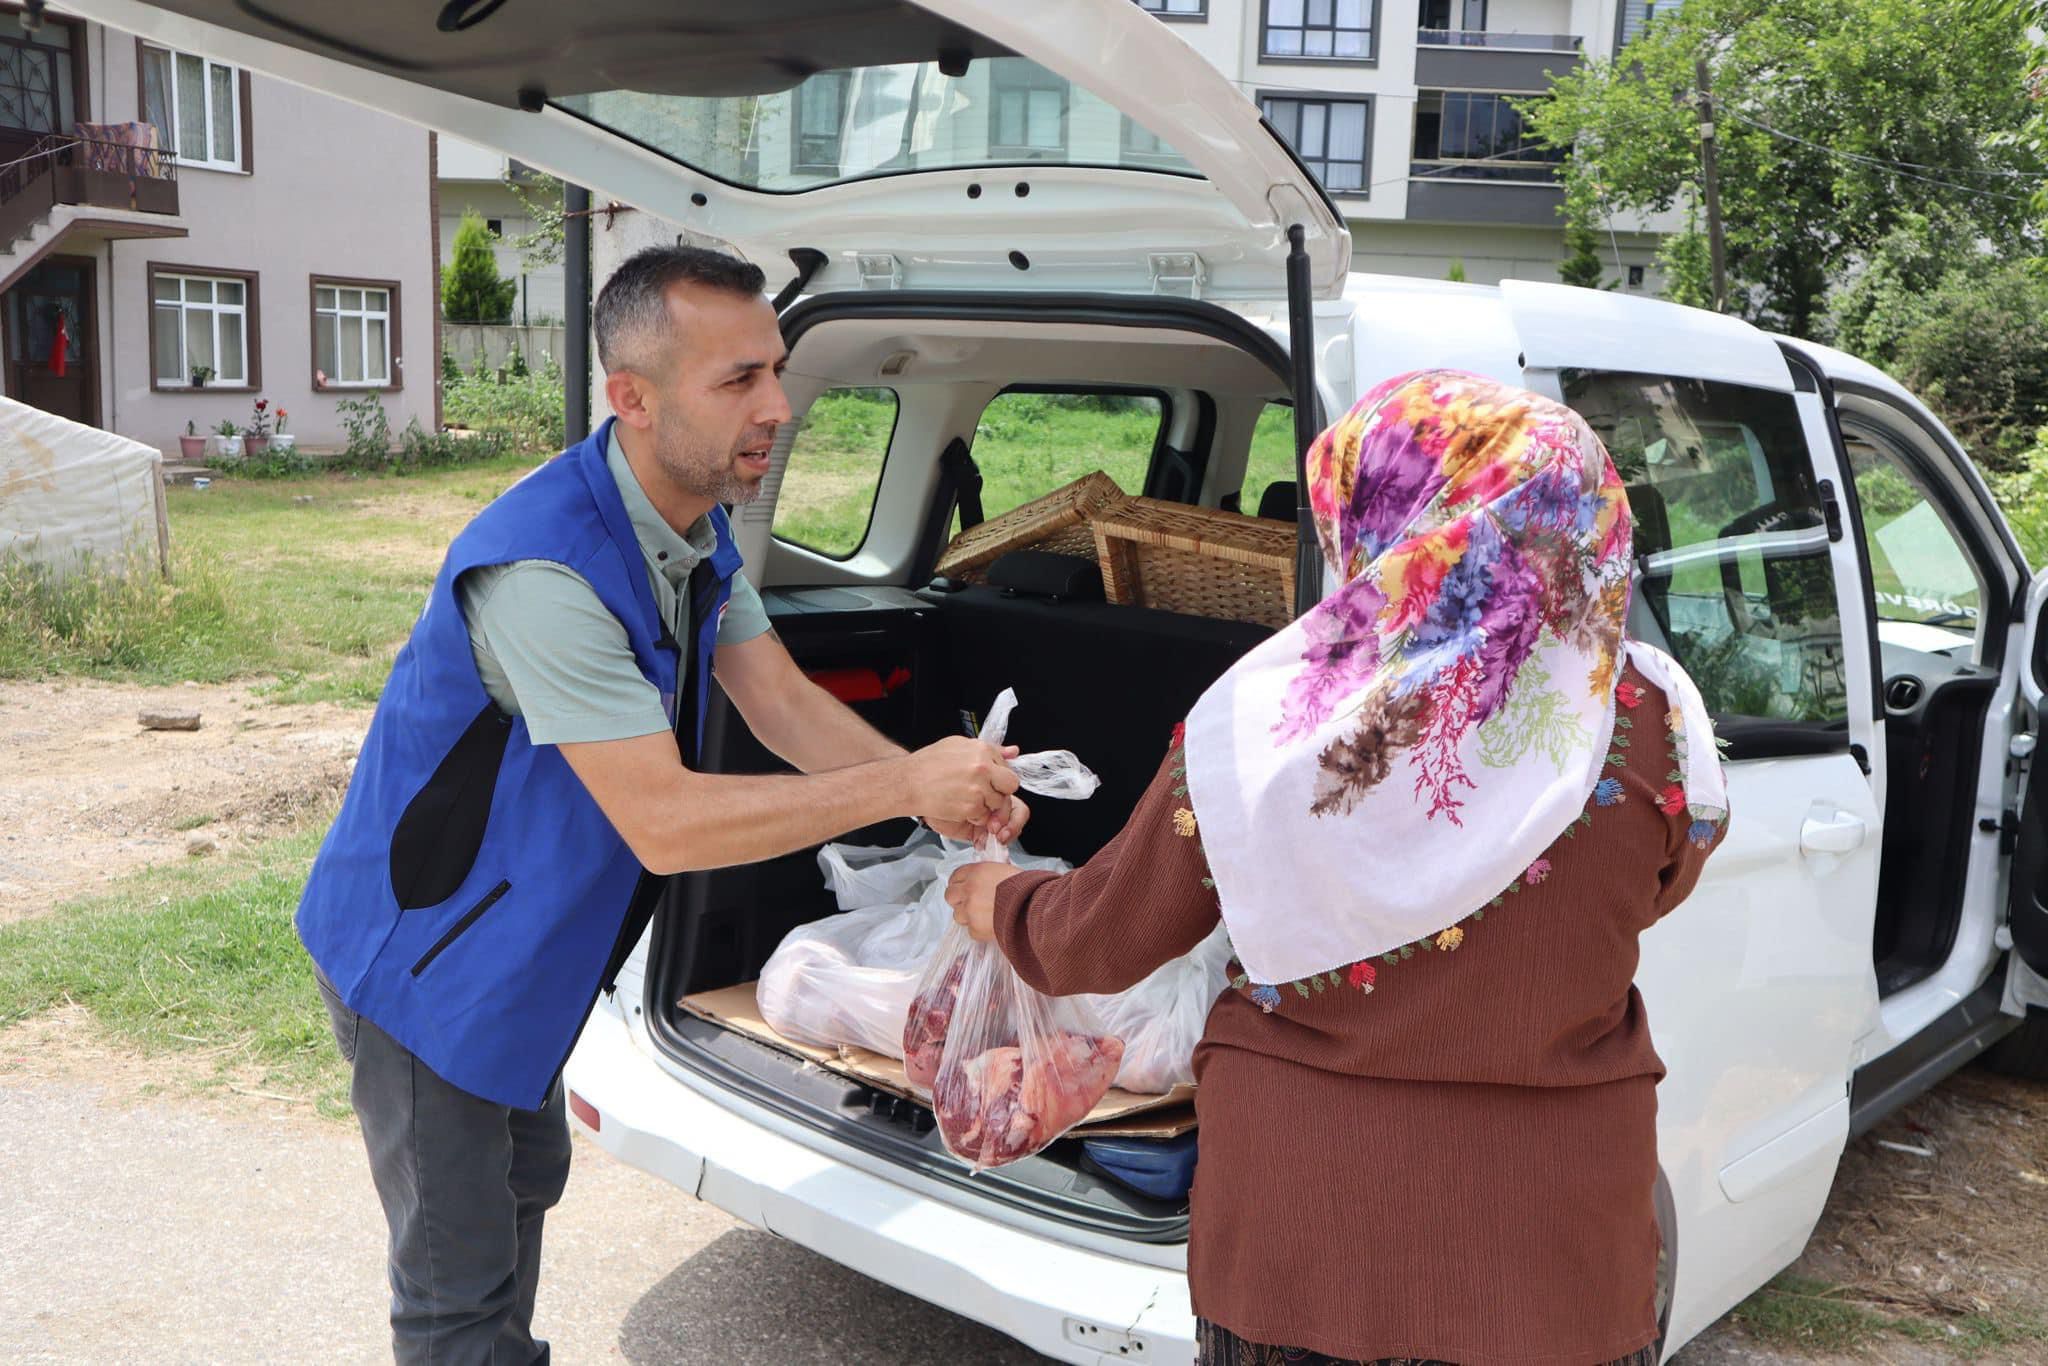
86,794
1940,1215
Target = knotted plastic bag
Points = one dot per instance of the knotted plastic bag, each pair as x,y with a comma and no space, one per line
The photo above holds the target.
1009,1070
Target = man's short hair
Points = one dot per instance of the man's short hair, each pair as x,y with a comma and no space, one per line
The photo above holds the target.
631,316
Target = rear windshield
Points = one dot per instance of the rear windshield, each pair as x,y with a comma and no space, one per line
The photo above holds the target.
883,120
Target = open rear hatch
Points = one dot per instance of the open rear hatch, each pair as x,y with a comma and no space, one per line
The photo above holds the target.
1069,144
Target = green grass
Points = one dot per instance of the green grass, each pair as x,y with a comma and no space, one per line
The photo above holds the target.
312,580
1025,445
198,956
1801,1313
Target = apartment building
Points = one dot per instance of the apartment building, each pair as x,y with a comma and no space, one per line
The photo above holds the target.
179,238
1404,109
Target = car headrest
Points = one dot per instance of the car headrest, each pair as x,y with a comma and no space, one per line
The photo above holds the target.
1043,574
1278,502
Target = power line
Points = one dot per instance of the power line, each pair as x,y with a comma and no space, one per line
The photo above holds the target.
1897,166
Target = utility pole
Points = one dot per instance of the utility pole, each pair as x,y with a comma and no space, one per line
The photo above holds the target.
1711,179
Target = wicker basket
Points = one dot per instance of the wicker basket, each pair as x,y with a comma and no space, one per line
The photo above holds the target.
1199,561
1057,522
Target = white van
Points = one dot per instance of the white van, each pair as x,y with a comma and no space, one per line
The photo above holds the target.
1814,546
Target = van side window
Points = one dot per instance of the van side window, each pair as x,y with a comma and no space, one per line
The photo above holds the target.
1730,539
1030,442
1272,460
1919,571
827,495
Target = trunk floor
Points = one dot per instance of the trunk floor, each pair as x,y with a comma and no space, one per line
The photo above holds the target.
1121,1114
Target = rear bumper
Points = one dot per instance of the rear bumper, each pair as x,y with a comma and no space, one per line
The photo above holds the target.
1069,1303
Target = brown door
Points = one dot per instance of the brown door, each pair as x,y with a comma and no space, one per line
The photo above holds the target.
55,299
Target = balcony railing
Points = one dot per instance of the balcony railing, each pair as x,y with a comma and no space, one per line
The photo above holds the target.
1505,42
1498,169
90,171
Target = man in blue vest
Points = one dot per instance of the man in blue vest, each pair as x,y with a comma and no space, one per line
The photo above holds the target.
529,775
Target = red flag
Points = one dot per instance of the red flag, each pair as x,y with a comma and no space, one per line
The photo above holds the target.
60,346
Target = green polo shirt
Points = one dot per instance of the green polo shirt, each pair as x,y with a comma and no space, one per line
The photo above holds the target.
549,650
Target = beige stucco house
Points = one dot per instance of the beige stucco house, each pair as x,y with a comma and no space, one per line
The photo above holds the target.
281,244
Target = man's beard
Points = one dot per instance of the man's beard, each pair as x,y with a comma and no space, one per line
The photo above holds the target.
701,471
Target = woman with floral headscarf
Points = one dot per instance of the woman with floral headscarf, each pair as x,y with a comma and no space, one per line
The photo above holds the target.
1435,813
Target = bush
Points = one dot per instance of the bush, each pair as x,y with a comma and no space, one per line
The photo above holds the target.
1971,339
526,410
2023,494
369,431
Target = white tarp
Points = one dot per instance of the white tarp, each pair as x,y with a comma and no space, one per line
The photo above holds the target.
71,493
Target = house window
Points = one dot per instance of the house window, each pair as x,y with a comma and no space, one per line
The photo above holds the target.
1027,110
201,321
36,80
1466,15
1330,137
1635,15
196,105
1142,145
1466,136
820,117
355,325
1177,9
495,226
1321,30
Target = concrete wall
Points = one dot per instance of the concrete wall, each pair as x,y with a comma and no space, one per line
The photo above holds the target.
334,189
496,345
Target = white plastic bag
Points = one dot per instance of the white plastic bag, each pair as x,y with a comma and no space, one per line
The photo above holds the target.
1009,1070
849,979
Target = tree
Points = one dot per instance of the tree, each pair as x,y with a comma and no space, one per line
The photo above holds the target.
1834,119
1581,264
471,291
540,195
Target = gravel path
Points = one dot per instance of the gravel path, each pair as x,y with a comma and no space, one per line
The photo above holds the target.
175,1228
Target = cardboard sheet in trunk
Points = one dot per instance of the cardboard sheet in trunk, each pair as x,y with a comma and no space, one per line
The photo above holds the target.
1121,1114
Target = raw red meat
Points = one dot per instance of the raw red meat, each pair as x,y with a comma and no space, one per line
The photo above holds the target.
995,1108
924,1028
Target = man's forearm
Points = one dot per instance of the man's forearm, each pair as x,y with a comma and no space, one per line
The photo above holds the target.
814,731
727,819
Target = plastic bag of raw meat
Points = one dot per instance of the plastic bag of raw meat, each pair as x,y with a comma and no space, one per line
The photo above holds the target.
1009,1070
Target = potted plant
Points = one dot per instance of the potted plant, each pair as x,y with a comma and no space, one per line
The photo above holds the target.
192,445
228,439
281,439
201,374
256,436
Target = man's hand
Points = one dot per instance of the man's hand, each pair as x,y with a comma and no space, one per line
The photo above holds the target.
972,895
1003,826
960,782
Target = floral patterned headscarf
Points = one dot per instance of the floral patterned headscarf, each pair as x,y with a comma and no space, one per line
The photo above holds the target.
1399,755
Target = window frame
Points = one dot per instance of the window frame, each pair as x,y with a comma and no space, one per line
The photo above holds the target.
1043,80
244,133
1445,164
1746,735
881,476
1265,98
1267,56
797,164
1198,15
252,326
393,336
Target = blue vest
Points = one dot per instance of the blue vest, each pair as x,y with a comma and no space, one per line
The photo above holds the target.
469,897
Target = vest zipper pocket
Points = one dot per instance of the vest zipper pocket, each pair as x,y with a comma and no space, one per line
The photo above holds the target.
469,917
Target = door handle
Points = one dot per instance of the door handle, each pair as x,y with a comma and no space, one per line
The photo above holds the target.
1840,834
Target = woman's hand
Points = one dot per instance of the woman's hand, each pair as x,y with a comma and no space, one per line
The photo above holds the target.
972,895
1002,825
